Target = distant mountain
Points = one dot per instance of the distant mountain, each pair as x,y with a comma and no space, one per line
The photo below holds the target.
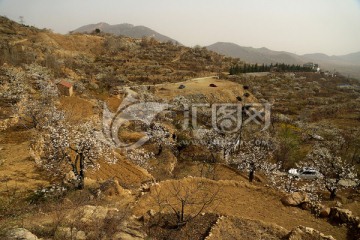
346,64
352,58
255,55
125,29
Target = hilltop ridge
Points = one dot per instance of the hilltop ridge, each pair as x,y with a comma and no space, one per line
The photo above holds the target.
125,29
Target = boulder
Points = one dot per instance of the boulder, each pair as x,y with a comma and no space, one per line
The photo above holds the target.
151,212
340,215
301,233
64,233
89,214
111,187
69,233
93,86
20,234
295,199
324,212
80,235
306,206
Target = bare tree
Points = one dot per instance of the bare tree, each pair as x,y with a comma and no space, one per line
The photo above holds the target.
187,200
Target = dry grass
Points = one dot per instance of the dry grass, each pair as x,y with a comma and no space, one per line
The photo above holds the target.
77,109
237,228
18,170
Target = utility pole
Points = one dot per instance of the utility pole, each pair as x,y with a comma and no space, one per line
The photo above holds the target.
21,18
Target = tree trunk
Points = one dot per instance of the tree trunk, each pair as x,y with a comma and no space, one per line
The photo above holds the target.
251,175
182,211
333,194
82,173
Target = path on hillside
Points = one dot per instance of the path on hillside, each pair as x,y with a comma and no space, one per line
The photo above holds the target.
177,58
176,83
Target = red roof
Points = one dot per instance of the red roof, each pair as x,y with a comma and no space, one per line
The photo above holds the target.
65,83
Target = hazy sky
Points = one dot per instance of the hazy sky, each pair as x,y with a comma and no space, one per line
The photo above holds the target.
299,26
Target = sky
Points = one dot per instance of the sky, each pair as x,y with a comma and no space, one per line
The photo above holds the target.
298,26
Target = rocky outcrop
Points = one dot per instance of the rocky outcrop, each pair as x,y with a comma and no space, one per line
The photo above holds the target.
94,221
20,234
324,212
341,216
69,233
112,187
301,233
295,199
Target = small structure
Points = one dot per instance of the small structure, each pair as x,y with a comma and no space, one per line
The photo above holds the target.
65,88
312,66
212,85
181,86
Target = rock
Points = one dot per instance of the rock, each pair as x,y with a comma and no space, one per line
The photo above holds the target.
125,236
111,187
342,216
69,233
20,234
131,229
93,86
345,215
80,235
64,233
338,204
324,212
151,212
89,214
305,206
295,199
301,233
317,137
145,188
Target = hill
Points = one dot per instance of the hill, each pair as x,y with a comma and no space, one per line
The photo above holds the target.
352,58
124,29
254,55
345,64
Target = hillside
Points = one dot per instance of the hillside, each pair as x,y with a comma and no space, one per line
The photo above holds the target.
113,137
254,55
124,29
345,64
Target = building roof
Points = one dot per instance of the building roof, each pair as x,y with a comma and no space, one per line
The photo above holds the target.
65,84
